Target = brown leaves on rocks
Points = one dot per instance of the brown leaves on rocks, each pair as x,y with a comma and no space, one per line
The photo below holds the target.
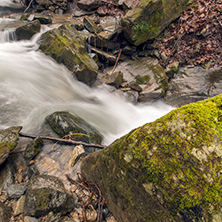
196,37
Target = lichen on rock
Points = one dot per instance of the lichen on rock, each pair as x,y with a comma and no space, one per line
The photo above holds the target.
167,170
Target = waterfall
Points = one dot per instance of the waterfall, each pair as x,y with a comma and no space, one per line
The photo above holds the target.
33,86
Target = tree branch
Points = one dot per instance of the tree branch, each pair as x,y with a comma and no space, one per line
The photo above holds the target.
63,140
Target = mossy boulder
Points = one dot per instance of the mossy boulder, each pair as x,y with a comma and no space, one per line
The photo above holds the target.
66,124
8,141
66,46
167,170
27,30
47,193
149,18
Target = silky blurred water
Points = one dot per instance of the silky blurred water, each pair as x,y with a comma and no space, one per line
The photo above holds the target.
33,86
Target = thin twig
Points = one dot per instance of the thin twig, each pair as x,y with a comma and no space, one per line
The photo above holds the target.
28,6
63,140
116,62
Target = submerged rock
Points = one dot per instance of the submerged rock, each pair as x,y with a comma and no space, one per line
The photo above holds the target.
47,193
167,170
8,141
66,46
65,124
149,18
193,84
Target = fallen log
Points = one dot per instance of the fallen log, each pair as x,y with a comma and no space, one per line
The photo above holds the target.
73,142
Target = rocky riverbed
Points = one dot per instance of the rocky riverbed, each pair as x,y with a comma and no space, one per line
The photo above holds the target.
108,45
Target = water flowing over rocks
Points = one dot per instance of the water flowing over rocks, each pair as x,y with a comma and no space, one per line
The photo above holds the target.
149,18
66,46
168,170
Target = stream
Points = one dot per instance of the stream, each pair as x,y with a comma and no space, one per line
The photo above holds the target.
33,86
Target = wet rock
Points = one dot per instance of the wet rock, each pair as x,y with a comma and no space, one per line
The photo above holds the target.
172,69
15,191
149,18
148,74
5,213
78,152
66,46
147,174
64,123
193,84
43,19
6,176
135,86
33,148
18,206
131,96
26,31
129,50
8,141
88,5
115,79
90,25
47,193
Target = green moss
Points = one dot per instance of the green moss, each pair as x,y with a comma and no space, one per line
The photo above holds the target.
142,79
181,155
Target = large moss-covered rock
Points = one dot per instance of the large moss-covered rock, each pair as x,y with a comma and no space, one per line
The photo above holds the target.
8,141
64,124
66,46
167,170
149,18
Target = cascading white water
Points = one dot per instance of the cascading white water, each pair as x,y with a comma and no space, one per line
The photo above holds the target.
33,86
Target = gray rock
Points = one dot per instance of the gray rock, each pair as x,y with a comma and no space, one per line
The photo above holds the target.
8,141
30,219
64,123
15,191
193,84
115,79
90,25
26,31
47,193
5,213
88,5
18,206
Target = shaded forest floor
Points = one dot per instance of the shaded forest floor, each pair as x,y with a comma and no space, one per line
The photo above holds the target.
196,37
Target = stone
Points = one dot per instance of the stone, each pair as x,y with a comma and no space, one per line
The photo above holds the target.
172,69
129,50
18,206
66,46
115,79
135,86
88,5
167,170
8,141
90,25
193,84
47,193
65,124
33,148
27,30
15,191
149,18
5,213
78,152
148,74
30,219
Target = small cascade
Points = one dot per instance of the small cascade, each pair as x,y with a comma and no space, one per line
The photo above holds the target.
7,36
89,45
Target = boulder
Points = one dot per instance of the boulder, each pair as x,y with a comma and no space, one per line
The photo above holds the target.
90,25
47,193
149,76
193,84
65,124
167,170
88,5
8,141
66,46
27,30
149,18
